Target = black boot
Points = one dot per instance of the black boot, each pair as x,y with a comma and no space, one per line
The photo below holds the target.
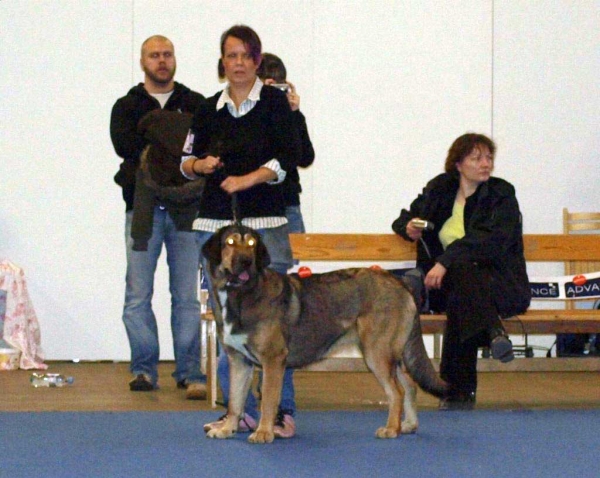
500,345
458,401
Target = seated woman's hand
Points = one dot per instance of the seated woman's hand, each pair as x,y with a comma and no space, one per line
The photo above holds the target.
434,278
413,232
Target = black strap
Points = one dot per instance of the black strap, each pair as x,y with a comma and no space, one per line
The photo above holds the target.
236,210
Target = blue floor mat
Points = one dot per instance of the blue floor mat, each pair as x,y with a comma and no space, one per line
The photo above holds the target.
328,444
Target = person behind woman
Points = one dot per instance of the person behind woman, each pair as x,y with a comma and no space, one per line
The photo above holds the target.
272,71
243,141
472,259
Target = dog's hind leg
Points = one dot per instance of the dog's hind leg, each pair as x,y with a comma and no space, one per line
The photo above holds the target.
410,424
384,370
240,379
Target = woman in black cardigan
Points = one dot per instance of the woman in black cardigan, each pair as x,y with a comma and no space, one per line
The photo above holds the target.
242,142
472,259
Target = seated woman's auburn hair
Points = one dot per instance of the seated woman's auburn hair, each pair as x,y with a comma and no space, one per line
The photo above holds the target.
462,147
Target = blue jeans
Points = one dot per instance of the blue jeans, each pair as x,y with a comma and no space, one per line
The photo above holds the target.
280,253
295,220
140,321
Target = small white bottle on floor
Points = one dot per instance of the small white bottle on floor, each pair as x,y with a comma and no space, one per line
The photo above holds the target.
50,380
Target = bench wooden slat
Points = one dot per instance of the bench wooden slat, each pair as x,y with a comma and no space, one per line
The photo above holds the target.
391,247
352,247
562,247
535,322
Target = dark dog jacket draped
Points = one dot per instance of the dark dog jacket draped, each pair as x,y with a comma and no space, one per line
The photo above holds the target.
159,179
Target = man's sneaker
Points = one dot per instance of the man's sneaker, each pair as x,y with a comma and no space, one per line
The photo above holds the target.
141,383
196,391
245,425
285,427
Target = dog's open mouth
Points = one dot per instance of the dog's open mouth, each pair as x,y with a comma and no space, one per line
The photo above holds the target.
235,280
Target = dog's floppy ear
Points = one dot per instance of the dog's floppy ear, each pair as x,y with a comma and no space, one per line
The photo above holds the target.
263,259
212,248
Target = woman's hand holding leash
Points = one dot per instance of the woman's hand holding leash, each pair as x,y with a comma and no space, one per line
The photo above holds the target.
207,165
233,184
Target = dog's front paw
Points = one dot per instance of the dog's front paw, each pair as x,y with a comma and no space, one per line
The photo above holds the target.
409,427
220,433
260,436
385,432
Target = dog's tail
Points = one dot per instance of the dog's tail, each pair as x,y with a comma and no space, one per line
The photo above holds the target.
419,366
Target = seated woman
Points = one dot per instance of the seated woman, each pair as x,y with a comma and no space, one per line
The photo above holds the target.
472,259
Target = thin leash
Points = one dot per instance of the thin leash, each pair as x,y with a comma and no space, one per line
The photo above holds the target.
235,209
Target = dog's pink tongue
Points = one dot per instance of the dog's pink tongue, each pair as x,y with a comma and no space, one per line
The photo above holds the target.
244,276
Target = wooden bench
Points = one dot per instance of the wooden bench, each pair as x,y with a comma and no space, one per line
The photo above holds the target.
373,249
378,248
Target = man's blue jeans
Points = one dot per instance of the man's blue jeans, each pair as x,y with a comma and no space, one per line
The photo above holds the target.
295,220
280,261
138,316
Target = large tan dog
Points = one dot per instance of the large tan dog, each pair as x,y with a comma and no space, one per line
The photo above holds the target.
279,321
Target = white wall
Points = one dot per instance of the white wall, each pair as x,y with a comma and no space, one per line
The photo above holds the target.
386,87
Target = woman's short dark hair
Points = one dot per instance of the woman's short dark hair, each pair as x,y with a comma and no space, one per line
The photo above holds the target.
272,67
250,39
462,147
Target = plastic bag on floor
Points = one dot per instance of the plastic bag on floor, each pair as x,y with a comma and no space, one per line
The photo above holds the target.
21,327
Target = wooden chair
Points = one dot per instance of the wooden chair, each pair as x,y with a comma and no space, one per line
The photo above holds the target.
580,223
208,343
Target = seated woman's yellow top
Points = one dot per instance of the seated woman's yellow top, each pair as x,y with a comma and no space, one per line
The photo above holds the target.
454,227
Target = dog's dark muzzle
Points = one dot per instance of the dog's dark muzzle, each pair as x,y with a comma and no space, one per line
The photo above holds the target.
241,271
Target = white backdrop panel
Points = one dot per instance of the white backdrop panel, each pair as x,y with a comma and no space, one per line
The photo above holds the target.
396,85
64,63
547,106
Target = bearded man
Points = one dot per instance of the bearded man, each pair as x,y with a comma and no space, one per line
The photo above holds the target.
159,90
